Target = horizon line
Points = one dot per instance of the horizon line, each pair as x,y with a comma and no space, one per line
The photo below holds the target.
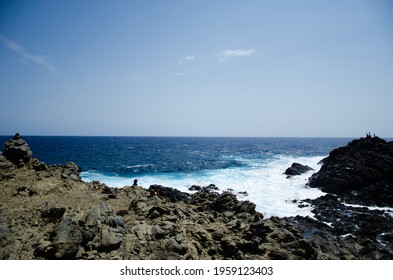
187,136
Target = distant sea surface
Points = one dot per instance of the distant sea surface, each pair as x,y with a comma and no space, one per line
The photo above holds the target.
252,165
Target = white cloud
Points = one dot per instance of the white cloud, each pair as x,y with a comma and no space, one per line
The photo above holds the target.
189,57
41,60
234,53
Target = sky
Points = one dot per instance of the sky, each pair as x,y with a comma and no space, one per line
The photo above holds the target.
250,68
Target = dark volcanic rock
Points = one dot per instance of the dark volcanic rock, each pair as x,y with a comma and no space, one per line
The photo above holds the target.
228,202
17,150
344,219
297,169
47,212
360,172
52,213
195,188
173,194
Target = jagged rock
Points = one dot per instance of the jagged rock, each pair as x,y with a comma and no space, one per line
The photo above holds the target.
245,207
297,169
243,193
6,237
278,255
45,217
157,211
225,202
142,231
102,229
38,166
17,150
111,237
228,202
229,247
173,194
195,188
66,239
210,188
52,213
5,163
71,171
344,219
361,172
173,245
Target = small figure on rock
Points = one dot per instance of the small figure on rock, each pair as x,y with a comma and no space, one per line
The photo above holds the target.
135,183
17,136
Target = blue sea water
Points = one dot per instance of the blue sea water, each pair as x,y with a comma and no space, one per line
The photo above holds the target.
252,165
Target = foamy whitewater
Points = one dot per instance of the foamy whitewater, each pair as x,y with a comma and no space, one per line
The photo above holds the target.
264,182
252,165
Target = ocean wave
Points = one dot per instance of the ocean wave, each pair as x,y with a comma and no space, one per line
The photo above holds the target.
263,180
139,165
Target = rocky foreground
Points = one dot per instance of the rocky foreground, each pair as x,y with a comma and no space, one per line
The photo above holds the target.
48,212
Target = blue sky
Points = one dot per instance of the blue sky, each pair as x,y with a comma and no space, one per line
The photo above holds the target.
196,68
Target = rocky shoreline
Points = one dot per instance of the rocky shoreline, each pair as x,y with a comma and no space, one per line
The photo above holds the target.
48,212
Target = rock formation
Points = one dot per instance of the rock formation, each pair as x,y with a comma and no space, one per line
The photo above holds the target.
17,150
49,213
297,169
360,172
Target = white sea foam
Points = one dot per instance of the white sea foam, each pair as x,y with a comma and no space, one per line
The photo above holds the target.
139,165
388,210
264,182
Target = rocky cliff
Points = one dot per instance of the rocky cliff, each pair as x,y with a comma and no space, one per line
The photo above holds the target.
48,212
360,172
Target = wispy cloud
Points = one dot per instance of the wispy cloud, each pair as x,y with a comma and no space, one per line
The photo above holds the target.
223,55
40,60
187,58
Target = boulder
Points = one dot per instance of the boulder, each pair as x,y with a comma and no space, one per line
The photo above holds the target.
66,239
111,237
103,230
52,213
297,169
17,150
71,171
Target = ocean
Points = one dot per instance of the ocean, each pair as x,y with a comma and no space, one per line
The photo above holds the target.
252,168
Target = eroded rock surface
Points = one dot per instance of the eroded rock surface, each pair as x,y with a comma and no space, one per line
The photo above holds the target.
45,213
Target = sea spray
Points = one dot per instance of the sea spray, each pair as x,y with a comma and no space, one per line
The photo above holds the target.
261,182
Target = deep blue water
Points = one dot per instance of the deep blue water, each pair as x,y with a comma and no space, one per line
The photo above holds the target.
137,155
